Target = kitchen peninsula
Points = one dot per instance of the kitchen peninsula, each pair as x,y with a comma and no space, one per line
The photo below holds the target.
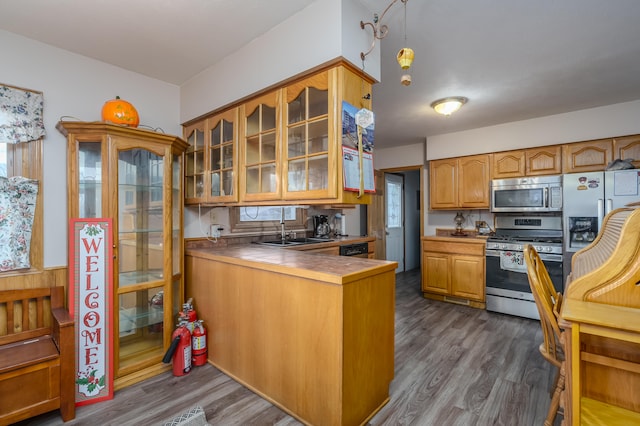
311,333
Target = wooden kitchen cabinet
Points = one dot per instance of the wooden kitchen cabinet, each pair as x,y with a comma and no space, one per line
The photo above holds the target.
546,160
289,144
627,147
134,177
211,160
194,163
313,335
260,148
508,164
460,182
589,156
453,270
307,170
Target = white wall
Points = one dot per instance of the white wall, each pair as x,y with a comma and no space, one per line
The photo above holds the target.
399,156
76,86
321,32
595,123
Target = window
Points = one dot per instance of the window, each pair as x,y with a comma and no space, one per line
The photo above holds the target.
266,218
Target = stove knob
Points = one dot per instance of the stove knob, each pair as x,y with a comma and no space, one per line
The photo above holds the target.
503,246
519,247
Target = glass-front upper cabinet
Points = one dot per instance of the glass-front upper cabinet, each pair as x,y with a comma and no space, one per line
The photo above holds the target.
194,159
307,166
261,149
223,160
134,177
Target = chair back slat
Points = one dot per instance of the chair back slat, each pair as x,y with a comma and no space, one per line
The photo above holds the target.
548,302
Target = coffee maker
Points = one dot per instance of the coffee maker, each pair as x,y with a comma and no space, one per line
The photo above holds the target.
321,228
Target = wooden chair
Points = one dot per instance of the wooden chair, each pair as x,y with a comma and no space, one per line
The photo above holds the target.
548,302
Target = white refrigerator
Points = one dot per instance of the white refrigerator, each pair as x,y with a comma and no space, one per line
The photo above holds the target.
588,197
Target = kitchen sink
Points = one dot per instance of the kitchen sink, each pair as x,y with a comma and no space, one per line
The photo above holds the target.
309,240
293,242
277,243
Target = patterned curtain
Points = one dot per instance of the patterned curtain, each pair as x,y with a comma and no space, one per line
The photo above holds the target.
17,207
20,115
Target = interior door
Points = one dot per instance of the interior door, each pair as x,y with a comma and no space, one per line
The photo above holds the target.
394,219
375,217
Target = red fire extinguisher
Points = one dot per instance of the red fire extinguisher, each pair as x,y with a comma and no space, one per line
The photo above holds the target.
189,313
199,344
180,350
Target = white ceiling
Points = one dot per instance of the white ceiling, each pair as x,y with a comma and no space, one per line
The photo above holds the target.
513,59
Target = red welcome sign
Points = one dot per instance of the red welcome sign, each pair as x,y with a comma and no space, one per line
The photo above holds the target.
91,304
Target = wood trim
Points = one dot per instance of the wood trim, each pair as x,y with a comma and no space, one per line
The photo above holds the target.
292,80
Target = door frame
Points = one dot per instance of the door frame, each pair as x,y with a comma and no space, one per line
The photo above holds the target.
380,204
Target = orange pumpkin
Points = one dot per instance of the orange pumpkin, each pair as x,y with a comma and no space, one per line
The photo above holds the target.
119,111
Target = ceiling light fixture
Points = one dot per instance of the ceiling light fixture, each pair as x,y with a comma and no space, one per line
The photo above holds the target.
379,29
447,106
405,55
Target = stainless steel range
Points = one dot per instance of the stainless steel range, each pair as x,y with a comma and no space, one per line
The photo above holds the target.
507,285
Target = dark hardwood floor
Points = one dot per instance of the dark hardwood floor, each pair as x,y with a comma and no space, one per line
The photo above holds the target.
454,365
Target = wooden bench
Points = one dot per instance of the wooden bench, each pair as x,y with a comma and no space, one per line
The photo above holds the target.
37,354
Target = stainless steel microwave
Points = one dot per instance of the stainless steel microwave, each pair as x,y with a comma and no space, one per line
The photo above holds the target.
527,194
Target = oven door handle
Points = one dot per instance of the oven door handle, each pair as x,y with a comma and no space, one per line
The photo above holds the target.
492,253
543,256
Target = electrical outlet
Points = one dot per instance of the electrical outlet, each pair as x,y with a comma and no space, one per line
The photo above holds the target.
212,215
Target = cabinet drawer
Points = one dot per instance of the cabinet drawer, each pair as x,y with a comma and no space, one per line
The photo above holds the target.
453,247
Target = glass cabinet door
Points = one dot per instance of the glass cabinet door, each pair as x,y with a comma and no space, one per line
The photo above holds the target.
90,180
261,149
195,162
222,156
140,278
176,237
307,137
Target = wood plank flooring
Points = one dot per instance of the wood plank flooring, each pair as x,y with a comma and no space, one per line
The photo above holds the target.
454,365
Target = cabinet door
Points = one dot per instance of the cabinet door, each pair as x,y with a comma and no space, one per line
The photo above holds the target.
543,161
443,184
627,147
194,170
222,155
435,272
260,144
590,156
306,154
508,164
142,238
467,277
473,185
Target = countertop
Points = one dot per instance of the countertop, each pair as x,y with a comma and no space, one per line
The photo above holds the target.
446,235
290,261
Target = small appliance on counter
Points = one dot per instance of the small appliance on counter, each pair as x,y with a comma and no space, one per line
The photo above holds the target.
321,228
